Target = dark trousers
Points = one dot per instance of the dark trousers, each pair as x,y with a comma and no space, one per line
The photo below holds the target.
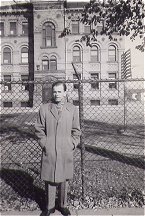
50,189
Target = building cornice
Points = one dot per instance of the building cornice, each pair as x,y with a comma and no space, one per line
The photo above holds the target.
16,9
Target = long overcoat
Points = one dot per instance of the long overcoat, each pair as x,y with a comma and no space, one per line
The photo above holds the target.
60,134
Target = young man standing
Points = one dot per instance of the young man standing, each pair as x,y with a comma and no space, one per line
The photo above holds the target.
58,130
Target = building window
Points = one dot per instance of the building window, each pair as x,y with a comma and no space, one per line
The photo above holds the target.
112,85
45,63
95,102
7,85
76,102
95,77
76,85
7,55
53,63
13,28
87,29
76,54
94,54
24,104
75,27
112,102
1,28
25,84
24,55
49,35
99,29
112,53
24,28
7,104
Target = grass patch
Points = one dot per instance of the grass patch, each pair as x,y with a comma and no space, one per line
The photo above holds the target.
108,184
113,167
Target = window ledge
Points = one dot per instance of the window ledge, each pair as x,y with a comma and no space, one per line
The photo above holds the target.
50,71
113,89
45,47
22,91
53,71
94,62
6,64
92,89
75,33
77,62
24,64
86,33
13,35
112,62
23,35
6,91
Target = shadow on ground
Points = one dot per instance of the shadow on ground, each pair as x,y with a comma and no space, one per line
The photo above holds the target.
22,183
137,162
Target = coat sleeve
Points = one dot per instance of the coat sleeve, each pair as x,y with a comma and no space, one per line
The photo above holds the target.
40,130
76,132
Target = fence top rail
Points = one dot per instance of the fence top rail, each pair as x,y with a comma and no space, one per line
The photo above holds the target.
70,81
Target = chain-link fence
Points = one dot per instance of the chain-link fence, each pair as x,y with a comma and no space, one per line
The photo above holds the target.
110,156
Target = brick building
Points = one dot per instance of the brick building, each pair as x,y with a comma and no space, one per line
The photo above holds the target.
32,49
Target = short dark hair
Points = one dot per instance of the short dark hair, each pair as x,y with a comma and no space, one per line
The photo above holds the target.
57,83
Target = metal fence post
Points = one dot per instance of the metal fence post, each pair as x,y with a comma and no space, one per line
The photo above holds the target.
125,111
82,144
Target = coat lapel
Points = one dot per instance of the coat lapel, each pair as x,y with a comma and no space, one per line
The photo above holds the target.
54,111
66,108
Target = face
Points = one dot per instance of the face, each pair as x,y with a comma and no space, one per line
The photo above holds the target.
58,93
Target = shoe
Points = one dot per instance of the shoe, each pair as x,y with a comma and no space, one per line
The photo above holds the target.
47,212
64,211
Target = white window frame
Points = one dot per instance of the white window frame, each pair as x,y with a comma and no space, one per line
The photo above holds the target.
53,63
87,29
76,85
2,30
94,53
77,58
111,84
75,27
24,23
111,102
48,35
24,56
24,86
95,77
7,55
13,31
92,102
7,86
112,57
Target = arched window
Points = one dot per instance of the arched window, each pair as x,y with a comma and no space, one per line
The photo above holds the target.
53,63
7,55
24,55
76,54
94,54
45,63
112,55
49,35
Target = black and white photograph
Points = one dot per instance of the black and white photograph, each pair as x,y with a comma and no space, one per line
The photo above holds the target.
72,98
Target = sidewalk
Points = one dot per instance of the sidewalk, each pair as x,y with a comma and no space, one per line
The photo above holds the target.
89,212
